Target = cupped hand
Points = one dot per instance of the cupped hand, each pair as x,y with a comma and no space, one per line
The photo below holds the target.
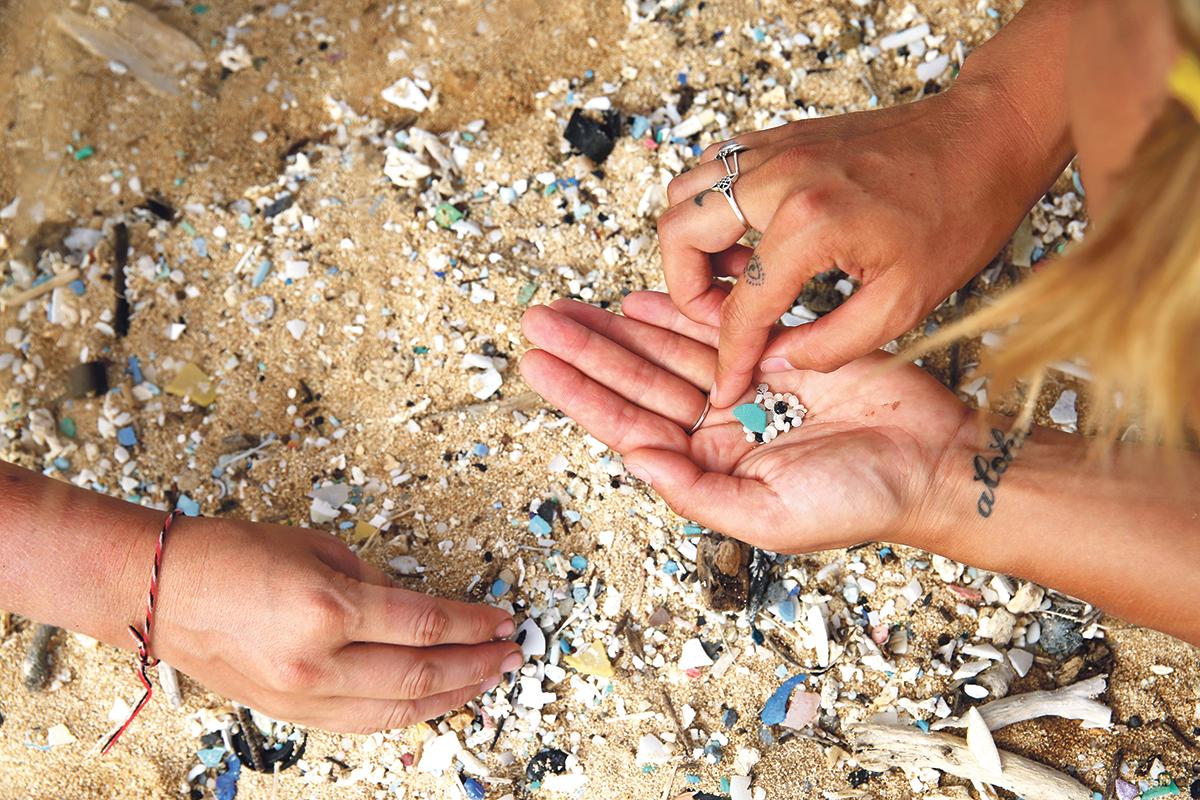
291,622
861,466
910,200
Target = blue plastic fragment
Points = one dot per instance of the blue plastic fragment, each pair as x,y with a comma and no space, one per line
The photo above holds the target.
692,779
579,594
538,526
62,464
787,610
188,506
578,563
264,269
200,246
227,781
923,725
670,568
752,415
729,718
775,708
639,126
78,287
474,789
692,529
499,587
211,756
480,450
127,436
135,370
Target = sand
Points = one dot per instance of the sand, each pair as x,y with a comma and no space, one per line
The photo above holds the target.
490,62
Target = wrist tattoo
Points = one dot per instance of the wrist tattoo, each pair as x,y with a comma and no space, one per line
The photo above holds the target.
756,274
990,470
699,199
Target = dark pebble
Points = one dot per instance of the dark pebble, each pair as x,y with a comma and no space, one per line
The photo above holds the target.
1134,722
551,760
1195,791
859,777
781,407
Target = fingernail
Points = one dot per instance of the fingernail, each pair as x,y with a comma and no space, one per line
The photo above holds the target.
639,473
775,364
489,684
505,629
512,663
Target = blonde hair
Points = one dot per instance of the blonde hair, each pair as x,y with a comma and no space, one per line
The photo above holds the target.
1126,300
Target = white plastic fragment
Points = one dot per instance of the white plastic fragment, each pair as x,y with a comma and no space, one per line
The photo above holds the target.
904,38
981,744
1063,412
296,327
651,750
405,93
439,753
694,655
532,639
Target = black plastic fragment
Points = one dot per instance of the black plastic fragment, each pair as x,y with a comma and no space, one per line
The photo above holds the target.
595,138
551,760
39,658
259,758
160,208
87,380
279,205
121,257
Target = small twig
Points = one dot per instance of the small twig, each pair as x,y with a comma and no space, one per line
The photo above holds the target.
1070,702
21,298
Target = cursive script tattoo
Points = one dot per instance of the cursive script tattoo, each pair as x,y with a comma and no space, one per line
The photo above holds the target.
699,199
990,470
756,274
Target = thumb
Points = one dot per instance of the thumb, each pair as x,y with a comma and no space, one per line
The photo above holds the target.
869,319
714,499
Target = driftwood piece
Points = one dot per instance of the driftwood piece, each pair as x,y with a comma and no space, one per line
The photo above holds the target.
722,565
152,50
881,747
1070,702
21,298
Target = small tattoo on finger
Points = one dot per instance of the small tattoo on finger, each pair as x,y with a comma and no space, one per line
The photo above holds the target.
756,274
699,199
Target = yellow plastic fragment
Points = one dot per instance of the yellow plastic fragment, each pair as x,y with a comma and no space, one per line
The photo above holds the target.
362,532
592,661
192,383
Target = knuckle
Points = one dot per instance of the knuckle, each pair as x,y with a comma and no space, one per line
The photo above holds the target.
429,625
400,715
734,316
419,680
807,204
329,613
297,675
676,189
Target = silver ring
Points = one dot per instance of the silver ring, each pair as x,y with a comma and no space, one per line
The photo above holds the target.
732,149
725,187
703,415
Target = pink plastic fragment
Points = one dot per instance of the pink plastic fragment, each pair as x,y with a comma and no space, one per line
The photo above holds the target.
803,710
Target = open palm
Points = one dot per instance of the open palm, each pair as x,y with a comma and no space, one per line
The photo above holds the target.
859,468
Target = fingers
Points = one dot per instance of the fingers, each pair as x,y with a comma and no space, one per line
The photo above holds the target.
361,715
733,505
701,178
689,359
609,364
791,252
873,316
397,616
752,140
656,308
690,232
411,673
620,424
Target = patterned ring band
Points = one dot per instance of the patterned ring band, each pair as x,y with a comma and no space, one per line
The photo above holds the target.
731,150
725,187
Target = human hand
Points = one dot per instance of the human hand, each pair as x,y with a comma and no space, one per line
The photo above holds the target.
911,200
292,623
861,467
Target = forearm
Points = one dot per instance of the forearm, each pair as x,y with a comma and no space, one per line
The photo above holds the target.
71,557
1113,529
1018,79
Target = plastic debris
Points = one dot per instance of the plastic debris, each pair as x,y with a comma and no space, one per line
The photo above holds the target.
980,743
191,383
593,137
591,661
775,710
